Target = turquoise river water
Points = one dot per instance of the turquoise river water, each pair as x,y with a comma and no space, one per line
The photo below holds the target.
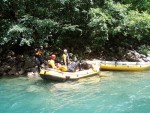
115,92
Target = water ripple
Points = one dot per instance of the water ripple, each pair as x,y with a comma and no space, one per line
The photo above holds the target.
119,92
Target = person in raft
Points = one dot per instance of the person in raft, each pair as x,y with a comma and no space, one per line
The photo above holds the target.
77,66
65,57
51,62
85,66
72,67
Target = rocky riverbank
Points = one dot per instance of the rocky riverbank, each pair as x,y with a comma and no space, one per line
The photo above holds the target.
16,65
23,65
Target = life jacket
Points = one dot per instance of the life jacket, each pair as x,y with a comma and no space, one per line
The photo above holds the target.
51,63
66,59
38,53
63,68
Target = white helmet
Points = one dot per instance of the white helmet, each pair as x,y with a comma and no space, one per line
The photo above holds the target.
65,50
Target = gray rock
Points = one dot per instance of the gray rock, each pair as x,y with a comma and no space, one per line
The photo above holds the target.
12,71
21,71
147,59
148,55
135,56
29,62
142,56
33,74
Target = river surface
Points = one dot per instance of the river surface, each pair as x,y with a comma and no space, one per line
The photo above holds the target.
114,92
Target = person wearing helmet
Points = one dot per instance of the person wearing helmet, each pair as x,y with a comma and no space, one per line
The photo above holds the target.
51,62
38,55
38,58
65,57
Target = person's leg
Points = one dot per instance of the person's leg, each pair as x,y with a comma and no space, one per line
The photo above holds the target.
38,64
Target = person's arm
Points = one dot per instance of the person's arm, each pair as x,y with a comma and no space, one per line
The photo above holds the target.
68,59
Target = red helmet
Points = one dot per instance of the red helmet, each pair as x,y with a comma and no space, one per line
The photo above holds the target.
53,56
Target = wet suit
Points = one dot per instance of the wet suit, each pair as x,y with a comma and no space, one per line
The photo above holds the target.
38,60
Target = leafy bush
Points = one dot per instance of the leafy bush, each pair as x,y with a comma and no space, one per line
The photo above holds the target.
99,26
116,25
144,49
75,24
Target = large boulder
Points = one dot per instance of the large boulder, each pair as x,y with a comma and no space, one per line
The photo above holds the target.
29,63
132,55
13,71
147,59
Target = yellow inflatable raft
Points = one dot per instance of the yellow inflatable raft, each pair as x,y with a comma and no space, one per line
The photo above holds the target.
124,66
56,75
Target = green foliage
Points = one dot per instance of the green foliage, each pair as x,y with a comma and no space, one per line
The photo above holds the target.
137,26
107,22
19,33
141,5
144,49
75,24
98,25
42,22
117,13
69,27
116,25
